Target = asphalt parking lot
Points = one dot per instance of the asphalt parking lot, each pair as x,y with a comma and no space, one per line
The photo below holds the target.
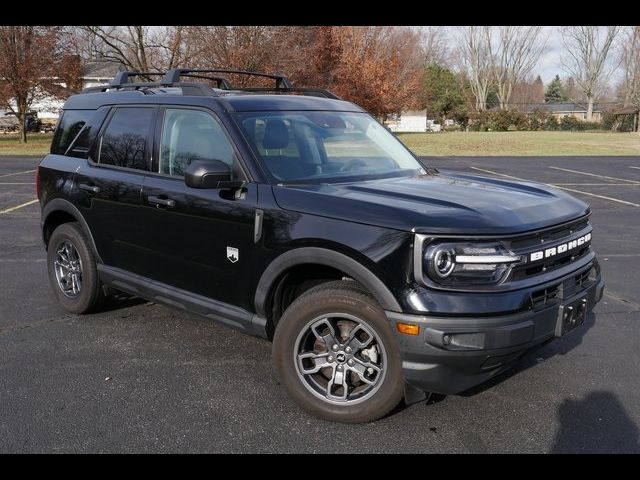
142,378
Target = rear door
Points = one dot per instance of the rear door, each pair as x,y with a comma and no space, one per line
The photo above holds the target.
110,185
201,240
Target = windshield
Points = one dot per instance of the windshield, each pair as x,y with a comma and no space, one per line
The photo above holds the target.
315,146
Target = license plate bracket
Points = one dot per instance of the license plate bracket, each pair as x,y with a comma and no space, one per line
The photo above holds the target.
571,315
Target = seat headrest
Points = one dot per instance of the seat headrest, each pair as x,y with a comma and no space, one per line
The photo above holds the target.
276,134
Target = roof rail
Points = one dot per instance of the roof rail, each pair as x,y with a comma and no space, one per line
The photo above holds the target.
122,77
121,80
306,91
223,82
173,75
171,78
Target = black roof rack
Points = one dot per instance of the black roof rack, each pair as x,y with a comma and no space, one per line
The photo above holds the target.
172,77
122,77
121,80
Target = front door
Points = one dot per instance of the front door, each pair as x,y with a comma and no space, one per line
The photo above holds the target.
201,240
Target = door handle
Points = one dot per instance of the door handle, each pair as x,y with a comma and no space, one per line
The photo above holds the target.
161,202
89,188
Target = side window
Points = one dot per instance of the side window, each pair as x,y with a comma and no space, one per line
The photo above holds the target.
124,143
189,135
68,127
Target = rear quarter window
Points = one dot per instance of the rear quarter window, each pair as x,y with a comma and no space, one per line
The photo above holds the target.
68,127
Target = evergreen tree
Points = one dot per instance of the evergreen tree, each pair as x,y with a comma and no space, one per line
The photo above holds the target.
570,90
555,92
442,96
537,90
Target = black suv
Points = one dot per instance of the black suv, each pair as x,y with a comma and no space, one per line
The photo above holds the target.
292,215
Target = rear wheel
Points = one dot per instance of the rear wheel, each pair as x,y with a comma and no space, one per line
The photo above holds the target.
72,269
336,356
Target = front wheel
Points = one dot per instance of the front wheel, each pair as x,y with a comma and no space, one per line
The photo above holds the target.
336,355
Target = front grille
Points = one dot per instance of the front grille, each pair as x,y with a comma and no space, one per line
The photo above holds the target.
547,236
542,298
524,271
540,241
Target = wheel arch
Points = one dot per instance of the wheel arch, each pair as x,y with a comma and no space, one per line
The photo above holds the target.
324,257
59,211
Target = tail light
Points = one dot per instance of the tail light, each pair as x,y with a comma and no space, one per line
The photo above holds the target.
38,182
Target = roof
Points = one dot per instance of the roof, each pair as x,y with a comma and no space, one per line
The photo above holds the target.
227,100
626,111
564,107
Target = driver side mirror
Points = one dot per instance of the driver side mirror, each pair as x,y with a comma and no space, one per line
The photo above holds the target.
208,174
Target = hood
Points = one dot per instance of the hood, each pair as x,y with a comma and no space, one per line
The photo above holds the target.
447,202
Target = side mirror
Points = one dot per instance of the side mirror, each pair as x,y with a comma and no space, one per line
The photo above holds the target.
207,174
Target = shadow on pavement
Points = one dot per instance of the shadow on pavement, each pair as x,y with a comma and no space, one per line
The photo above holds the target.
531,358
596,424
120,301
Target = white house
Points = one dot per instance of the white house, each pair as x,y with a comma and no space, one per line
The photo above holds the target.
409,121
95,73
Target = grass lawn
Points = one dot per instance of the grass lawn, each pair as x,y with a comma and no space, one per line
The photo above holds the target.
37,144
522,143
446,144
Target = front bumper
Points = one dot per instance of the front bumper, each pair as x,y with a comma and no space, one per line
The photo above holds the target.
453,354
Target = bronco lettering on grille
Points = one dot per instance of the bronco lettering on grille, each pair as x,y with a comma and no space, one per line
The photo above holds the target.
559,249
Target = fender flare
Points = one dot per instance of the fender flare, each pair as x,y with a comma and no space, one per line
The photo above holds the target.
329,258
60,204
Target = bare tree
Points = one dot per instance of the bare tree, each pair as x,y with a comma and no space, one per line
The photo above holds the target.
514,53
434,45
630,62
141,48
33,63
587,50
475,57
241,47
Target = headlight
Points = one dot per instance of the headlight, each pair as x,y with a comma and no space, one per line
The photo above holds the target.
468,263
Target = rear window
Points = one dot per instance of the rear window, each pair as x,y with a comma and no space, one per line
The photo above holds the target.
69,126
124,143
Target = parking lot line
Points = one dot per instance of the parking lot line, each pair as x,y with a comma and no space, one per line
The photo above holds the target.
637,168
620,298
624,202
595,175
592,184
25,204
500,174
17,183
16,173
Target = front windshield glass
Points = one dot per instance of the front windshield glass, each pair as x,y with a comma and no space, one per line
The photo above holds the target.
319,146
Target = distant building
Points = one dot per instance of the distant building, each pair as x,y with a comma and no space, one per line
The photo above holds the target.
408,121
569,109
95,73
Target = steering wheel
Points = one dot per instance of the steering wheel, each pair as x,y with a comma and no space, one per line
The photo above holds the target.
352,163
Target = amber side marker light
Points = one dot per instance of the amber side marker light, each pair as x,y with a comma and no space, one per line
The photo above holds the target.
408,328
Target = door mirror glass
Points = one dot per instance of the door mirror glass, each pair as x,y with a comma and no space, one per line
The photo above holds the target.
207,174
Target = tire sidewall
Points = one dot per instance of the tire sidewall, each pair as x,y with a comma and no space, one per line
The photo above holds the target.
355,303
89,291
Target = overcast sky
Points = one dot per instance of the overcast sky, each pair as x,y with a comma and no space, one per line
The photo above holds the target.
550,64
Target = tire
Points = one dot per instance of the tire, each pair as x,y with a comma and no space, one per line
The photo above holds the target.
90,295
346,305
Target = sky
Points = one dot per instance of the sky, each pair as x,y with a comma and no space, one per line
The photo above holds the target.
550,63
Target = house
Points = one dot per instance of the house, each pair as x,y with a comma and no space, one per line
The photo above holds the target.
408,121
569,109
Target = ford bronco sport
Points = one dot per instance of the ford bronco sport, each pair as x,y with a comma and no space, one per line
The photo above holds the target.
292,215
